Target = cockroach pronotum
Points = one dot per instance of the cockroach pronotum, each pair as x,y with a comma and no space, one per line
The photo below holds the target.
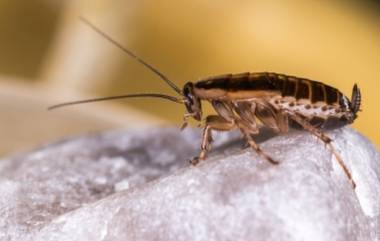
278,101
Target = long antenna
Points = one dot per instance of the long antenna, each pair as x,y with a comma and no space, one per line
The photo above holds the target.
153,95
131,54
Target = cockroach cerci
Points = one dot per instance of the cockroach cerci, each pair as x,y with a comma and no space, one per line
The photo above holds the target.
279,101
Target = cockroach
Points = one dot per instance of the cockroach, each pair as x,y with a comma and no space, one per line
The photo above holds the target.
278,101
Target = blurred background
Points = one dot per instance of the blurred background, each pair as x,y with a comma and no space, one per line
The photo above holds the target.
47,55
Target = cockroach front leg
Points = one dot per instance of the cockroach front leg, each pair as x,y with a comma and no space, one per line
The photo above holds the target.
213,122
327,140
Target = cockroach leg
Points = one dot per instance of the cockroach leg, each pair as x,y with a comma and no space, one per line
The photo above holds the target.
248,126
213,122
185,123
327,140
253,144
245,145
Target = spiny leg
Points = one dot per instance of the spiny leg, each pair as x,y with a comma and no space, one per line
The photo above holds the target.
327,140
253,144
248,126
213,122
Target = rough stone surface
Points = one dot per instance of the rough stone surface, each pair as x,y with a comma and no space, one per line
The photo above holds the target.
139,186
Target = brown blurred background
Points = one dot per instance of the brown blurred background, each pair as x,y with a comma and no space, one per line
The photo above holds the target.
49,56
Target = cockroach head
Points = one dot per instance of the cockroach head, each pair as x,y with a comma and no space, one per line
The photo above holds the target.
192,102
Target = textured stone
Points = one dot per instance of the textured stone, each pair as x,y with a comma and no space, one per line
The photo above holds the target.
139,186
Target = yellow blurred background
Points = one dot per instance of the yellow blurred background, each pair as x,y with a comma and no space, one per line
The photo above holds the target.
49,56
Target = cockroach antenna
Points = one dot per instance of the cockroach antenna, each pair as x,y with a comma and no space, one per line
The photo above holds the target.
131,54
136,95
153,95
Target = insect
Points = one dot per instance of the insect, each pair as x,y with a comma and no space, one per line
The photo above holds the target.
278,101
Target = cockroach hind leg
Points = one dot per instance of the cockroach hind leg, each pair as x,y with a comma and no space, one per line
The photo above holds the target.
353,184
327,141
342,165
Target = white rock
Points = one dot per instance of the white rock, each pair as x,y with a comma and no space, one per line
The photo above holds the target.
138,186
